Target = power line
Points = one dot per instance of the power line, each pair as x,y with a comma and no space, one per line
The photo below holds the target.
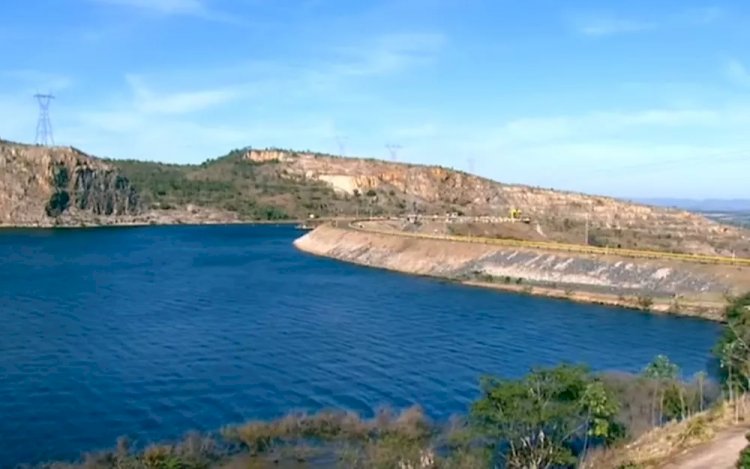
44,134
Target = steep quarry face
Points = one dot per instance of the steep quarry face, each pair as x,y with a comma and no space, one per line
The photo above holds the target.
350,175
437,185
39,185
268,156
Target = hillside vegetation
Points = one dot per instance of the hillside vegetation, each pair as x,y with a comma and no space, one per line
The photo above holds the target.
277,184
229,183
248,184
268,188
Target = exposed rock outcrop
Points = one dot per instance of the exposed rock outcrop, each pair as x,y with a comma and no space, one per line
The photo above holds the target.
48,186
439,190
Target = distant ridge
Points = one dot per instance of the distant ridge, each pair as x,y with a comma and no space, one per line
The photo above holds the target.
699,205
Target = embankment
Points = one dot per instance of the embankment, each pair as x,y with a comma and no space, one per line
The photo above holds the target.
667,286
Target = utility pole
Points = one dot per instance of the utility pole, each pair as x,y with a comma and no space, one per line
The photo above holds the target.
341,142
588,222
44,125
587,228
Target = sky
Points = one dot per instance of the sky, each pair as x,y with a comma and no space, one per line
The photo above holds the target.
630,98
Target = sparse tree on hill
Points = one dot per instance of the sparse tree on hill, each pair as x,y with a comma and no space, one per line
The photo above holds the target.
664,373
733,351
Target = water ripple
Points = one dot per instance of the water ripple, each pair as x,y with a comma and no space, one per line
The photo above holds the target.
156,331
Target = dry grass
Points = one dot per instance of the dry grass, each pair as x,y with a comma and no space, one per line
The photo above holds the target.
403,440
658,445
389,439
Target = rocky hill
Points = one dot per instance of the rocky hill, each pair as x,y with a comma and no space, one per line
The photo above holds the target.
387,188
47,186
434,188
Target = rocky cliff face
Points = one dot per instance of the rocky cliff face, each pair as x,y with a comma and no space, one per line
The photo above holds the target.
48,186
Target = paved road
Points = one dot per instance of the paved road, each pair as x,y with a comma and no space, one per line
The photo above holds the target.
720,453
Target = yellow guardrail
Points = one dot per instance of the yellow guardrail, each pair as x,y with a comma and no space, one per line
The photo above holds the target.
563,247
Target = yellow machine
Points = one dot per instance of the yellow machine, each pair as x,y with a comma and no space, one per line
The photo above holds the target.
516,215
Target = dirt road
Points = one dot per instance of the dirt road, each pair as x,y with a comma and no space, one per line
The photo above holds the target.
720,453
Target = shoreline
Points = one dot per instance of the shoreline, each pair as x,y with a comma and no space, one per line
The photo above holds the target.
661,305
165,218
706,311
137,224
713,312
450,261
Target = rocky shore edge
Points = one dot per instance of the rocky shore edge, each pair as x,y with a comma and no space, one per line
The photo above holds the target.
150,218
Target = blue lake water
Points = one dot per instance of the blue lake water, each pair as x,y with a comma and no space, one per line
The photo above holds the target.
151,332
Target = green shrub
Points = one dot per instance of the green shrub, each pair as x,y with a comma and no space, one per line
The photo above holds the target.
537,421
645,302
60,176
744,461
57,204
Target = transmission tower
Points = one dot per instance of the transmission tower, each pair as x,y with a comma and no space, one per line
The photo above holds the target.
393,149
44,125
341,142
470,164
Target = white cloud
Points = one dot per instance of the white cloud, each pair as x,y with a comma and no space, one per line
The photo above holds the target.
127,133
19,116
37,80
188,115
544,129
630,167
387,54
148,101
737,73
169,7
195,8
625,162
413,132
701,16
668,151
608,25
19,110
